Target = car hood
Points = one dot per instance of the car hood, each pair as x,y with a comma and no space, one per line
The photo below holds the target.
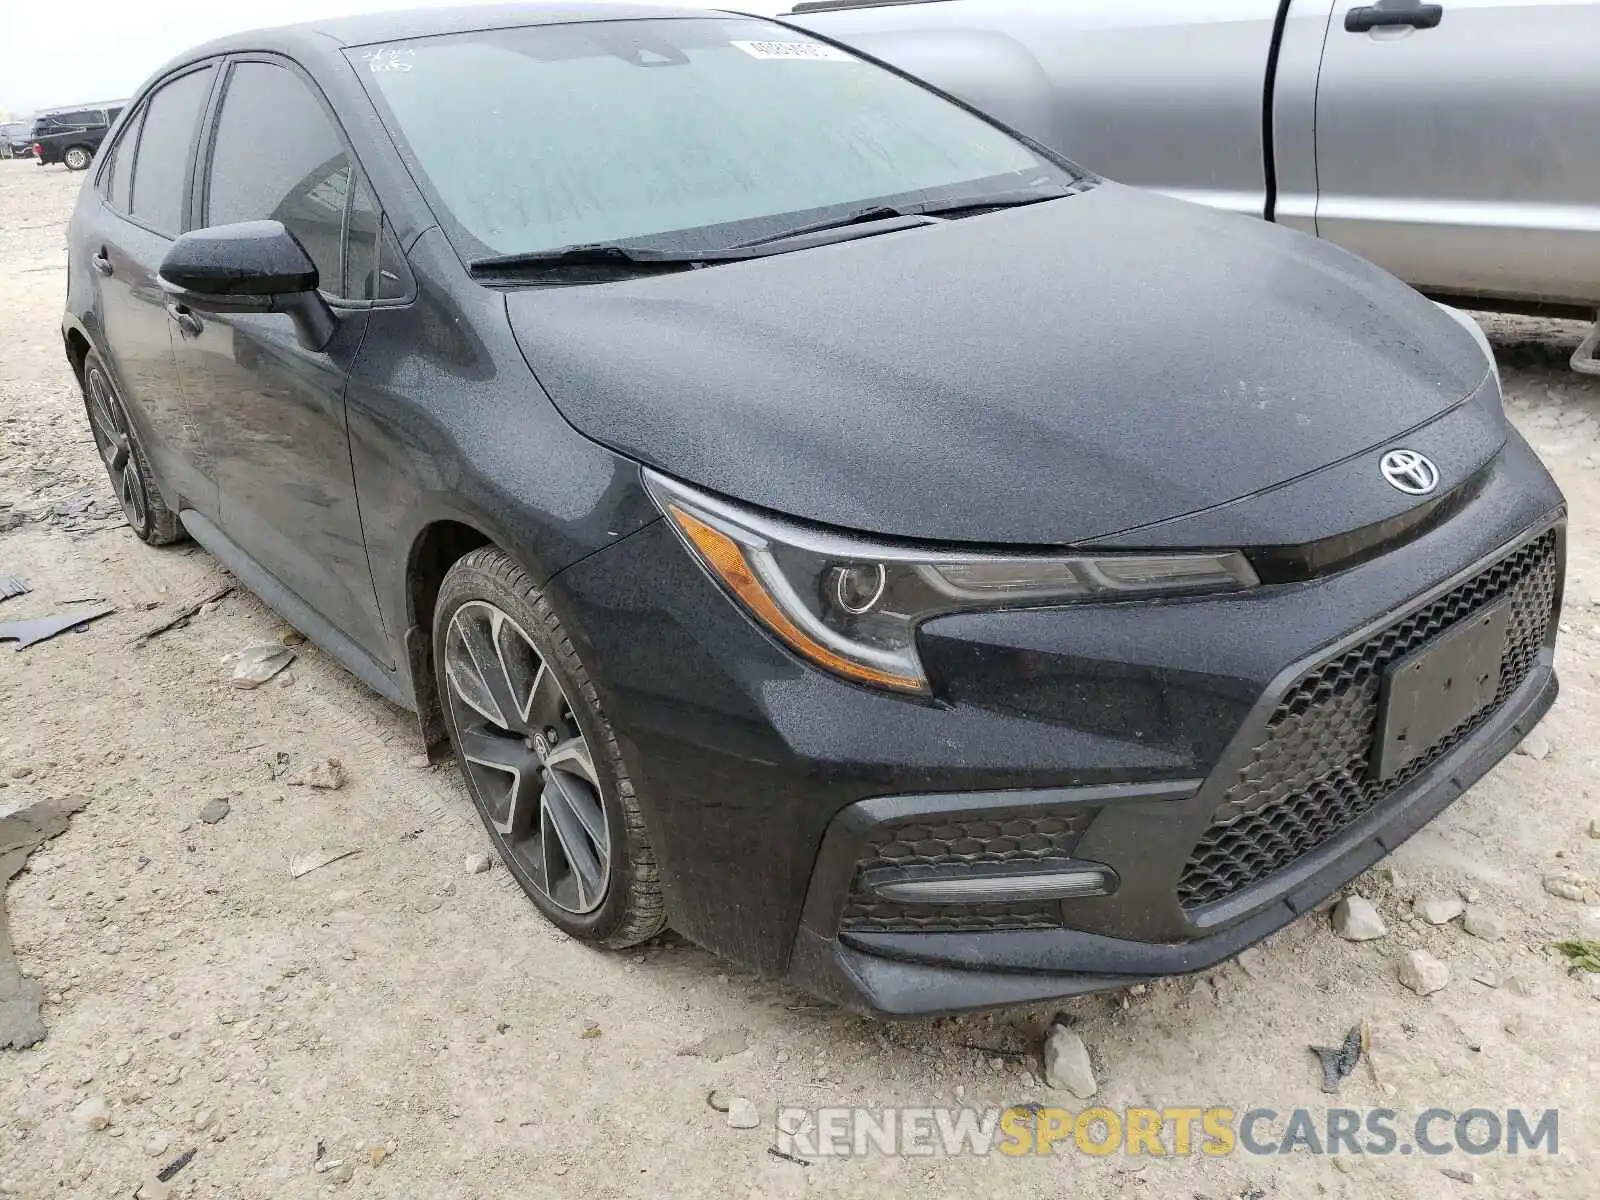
1042,375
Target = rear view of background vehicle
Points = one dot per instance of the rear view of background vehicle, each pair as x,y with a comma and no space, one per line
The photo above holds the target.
72,135
1454,144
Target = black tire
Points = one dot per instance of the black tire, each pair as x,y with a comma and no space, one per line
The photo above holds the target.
632,909
77,158
124,459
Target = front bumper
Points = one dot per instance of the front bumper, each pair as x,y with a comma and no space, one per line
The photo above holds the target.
1126,726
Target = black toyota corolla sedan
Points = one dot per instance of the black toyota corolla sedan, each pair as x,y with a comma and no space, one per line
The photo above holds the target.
815,515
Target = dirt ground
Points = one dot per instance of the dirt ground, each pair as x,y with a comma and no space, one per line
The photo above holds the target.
397,1000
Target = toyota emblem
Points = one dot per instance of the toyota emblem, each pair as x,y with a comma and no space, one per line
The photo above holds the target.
1410,472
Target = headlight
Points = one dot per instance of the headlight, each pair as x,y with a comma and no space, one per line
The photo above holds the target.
853,608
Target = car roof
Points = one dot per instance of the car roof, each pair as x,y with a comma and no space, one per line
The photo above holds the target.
336,33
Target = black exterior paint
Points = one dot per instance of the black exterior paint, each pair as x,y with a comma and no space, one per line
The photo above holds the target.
1111,366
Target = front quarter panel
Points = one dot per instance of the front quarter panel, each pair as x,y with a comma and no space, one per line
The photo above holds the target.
448,423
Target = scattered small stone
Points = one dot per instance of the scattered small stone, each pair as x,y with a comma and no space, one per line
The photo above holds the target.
205,1117
92,1115
478,864
1594,828
21,772
156,1143
376,1155
725,1043
123,1057
291,638
1572,887
1589,925
1356,920
1489,977
1253,962
742,1113
419,762
1521,985
1484,923
327,775
1459,1176
342,1172
1535,746
214,810
1066,1063
591,1029
257,663
1422,972
1438,910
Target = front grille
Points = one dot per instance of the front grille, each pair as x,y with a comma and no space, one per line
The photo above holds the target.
1016,838
1308,778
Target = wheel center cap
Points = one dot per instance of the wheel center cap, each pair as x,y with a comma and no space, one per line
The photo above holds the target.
541,747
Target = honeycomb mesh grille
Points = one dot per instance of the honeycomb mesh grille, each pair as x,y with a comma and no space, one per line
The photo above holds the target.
1308,778
1021,839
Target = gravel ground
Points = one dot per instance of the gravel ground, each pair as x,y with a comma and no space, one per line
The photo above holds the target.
415,1022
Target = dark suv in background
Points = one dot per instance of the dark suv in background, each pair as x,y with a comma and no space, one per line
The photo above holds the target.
14,141
71,135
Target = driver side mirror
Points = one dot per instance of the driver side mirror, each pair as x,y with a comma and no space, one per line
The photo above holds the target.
253,266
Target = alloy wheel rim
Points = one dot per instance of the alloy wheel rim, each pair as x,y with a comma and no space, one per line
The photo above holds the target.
77,158
115,442
528,763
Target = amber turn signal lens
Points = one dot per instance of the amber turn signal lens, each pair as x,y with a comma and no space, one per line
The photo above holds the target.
725,557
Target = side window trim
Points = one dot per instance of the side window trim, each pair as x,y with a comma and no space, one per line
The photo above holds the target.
140,103
127,142
205,159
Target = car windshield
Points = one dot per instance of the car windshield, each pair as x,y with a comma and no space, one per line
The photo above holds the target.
678,134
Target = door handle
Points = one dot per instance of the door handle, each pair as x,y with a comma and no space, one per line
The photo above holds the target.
187,322
1376,16
101,262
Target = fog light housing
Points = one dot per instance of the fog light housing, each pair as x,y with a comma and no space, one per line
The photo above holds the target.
1068,880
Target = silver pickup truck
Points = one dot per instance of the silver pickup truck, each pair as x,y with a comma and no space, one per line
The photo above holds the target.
1455,144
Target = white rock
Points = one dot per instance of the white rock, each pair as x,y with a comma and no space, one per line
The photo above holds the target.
1356,920
1422,972
1535,746
1594,828
1438,910
92,1114
742,1113
1066,1063
477,864
205,1117
1589,925
124,1057
419,762
1484,923
1570,887
156,1143
1521,985
342,1172
1253,962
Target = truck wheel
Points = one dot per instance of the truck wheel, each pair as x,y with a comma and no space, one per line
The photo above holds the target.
77,158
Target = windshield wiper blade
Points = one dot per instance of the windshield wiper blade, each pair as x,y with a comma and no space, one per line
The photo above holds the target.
1015,199
599,256
862,216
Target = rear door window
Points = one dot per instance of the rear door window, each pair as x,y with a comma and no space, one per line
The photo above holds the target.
120,186
166,144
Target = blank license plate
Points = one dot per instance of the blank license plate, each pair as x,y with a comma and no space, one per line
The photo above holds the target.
1438,686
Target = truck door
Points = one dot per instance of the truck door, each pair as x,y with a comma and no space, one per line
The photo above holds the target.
1457,144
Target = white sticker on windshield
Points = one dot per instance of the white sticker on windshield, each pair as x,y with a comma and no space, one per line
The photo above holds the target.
809,51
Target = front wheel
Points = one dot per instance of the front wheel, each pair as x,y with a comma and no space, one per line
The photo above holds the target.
78,158
539,757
